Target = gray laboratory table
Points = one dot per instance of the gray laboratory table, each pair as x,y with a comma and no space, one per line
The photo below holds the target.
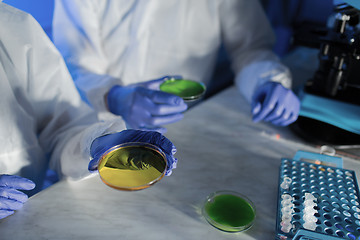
219,148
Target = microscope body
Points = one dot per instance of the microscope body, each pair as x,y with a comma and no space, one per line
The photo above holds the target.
330,99
338,73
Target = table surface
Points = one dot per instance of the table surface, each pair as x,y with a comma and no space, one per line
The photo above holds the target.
219,148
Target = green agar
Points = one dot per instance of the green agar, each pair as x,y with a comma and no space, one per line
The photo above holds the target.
230,213
186,89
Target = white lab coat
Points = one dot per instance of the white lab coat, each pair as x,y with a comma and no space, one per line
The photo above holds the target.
107,42
43,120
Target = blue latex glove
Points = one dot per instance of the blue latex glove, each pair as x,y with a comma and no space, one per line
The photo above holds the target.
10,198
276,104
103,143
144,107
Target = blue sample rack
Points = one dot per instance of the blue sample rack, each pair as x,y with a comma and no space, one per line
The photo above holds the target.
336,199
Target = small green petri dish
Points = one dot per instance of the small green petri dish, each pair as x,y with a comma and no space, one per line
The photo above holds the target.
229,211
188,90
132,166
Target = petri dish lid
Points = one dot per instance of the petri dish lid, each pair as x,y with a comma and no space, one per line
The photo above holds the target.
132,166
229,211
188,90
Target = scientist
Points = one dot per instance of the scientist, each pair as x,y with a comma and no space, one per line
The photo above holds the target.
44,122
114,47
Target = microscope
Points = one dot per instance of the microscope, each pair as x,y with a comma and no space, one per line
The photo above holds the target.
330,99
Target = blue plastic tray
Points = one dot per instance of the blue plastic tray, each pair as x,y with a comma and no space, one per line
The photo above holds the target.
336,192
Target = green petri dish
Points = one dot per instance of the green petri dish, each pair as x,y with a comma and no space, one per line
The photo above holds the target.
132,166
229,211
188,90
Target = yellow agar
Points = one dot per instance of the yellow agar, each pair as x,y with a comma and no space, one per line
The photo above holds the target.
132,167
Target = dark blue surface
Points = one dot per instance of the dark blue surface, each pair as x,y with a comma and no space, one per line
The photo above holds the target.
287,15
41,10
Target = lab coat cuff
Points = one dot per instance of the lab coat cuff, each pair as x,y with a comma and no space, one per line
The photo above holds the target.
255,74
76,155
94,89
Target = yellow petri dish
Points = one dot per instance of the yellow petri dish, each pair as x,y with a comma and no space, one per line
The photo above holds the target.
188,90
132,166
229,211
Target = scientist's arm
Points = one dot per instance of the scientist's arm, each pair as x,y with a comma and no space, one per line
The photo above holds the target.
248,39
77,34
66,126
11,199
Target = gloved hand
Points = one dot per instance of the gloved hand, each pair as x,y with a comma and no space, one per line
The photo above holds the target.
103,143
144,107
276,104
10,198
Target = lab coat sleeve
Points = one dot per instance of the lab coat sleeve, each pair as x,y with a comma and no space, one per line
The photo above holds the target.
248,39
66,126
77,34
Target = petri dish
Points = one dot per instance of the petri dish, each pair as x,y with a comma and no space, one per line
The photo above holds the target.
132,166
229,211
188,90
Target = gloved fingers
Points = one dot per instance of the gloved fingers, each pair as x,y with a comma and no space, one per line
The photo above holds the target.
119,99
171,77
174,165
173,150
255,108
17,182
159,129
161,97
155,84
105,142
271,96
154,115
152,84
276,113
292,109
164,109
10,204
284,116
11,193
154,123
279,121
171,165
163,120
291,119
266,108
168,172
257,117
150,108
93,164
258,98
4,213
157,139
